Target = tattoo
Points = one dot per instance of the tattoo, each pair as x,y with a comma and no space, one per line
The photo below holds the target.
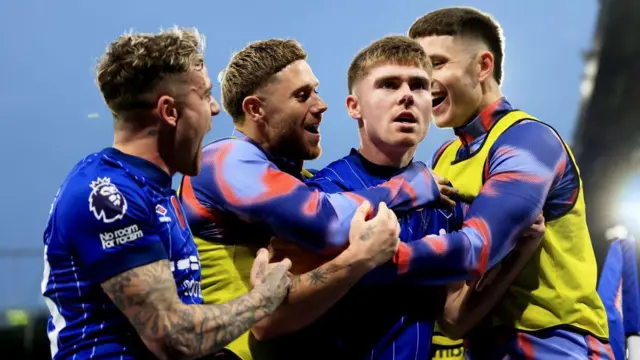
367,234
318,276
147,295
153,132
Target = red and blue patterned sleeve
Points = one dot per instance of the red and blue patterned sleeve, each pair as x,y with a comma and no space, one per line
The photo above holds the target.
238,177
525,162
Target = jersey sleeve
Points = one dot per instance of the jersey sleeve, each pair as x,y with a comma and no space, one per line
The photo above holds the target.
110,226
238,177
523,164
630,287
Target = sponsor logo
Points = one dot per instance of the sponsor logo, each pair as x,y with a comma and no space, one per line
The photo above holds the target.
105,201
121,236
162,211
191,288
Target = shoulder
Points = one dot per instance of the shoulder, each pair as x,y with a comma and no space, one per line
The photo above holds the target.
233,148
529,138
333,177
102,189
531,131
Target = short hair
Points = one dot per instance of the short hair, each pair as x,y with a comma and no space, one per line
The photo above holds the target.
393,49
135,64
252,68
464,22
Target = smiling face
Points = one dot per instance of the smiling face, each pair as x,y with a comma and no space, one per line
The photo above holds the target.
293,112
466,48
393,103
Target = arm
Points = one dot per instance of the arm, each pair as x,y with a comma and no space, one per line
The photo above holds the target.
523,165
631,296
466,305
147,295
135,273
319,288
238,177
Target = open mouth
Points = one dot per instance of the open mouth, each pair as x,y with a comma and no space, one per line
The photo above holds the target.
438,99
312,128
406,117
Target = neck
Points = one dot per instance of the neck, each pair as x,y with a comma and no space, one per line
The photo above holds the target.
398,157
254,134
143,144
263,141
490,94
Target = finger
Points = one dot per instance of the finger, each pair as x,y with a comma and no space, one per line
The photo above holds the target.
259,265
361,212
286,264
447,200
448,190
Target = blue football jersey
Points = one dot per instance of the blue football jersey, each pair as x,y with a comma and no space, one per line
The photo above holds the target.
114,212
394,320
620,293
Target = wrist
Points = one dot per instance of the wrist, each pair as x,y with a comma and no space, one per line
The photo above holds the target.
264,298
359,264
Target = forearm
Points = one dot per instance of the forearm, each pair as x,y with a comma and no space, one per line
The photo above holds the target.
311,295
147,295
192,331
466,307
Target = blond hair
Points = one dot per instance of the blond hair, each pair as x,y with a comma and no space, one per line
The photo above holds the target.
393,49
135,64
252,68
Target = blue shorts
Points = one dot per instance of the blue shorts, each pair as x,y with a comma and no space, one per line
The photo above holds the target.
553,344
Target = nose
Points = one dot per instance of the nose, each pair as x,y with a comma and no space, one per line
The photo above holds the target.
406,100
215,108
320,107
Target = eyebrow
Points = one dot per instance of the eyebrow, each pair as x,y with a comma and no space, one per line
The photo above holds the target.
399,78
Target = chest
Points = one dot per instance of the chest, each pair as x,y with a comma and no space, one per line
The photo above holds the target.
179,245
416,224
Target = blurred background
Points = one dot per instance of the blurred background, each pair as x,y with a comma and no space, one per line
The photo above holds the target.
572,63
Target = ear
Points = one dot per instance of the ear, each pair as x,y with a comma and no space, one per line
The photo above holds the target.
253,108
167,109
353,107
486,62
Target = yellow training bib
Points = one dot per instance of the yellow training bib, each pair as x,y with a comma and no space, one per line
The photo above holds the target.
557,287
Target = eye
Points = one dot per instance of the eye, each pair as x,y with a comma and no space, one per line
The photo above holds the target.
419,85
303,96
437,64
388,84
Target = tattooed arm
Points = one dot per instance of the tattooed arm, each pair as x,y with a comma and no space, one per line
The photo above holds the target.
372,243
147,295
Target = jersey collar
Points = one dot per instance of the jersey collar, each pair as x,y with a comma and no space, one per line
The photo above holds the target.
383,171
149,170
483,122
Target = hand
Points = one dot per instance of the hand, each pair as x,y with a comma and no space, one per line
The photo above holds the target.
271,278
446,190
537,230
374,241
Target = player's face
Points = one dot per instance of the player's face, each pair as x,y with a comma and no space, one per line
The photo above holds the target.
393,103
194,122
456,89
293,112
